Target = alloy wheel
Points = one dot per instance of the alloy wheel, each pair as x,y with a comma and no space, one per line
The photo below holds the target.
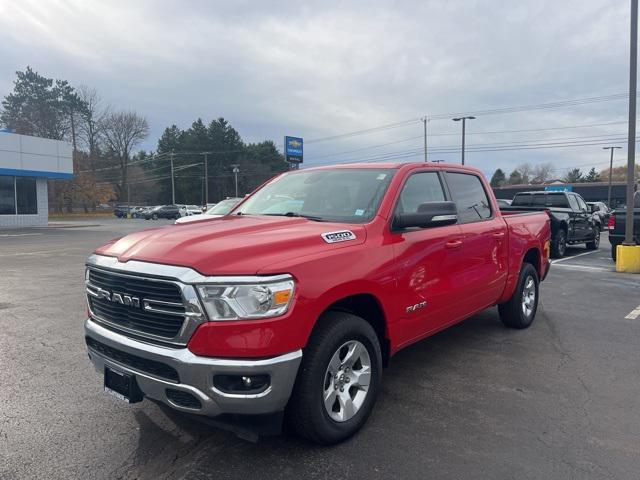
346,381
528,296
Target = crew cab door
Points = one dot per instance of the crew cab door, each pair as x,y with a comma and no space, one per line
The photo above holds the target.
586,217
427,261
579,221
484,244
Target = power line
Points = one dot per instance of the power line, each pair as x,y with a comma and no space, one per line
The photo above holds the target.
493,111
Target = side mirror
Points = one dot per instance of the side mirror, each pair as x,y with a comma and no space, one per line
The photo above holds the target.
431,214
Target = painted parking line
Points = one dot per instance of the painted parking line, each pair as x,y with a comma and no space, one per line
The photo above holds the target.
40,252
633,314
574,256
19,234
584,267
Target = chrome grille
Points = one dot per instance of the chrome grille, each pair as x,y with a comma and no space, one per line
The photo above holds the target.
139,305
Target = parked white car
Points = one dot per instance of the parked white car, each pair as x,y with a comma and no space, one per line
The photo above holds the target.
219,210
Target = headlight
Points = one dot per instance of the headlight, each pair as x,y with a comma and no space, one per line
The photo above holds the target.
240,300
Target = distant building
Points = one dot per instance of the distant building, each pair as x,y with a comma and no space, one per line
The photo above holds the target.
25,165
591,191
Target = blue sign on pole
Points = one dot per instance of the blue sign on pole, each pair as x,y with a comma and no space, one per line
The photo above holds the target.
293,149
559,188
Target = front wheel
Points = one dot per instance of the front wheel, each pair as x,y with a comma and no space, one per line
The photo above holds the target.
154,216
595,243
520,310
338,380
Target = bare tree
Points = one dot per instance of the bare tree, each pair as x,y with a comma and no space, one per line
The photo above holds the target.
91,121
526,171
122,132
542,172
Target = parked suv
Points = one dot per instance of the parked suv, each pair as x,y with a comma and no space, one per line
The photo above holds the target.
600,213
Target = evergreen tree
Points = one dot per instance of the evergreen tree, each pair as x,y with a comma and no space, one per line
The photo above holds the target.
498,179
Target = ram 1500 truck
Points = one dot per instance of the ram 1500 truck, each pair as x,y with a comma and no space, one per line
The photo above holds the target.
290,305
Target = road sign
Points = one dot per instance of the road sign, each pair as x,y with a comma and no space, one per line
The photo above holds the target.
559,188
293,149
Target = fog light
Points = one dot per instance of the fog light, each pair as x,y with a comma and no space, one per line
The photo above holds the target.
242,384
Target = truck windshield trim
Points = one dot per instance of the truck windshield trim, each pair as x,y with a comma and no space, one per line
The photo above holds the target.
343,195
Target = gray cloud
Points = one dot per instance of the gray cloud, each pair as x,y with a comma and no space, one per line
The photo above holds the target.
324,68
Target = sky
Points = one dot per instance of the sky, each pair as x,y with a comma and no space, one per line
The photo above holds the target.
320,70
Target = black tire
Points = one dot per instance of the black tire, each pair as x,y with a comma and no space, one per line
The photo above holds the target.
512,312
595,243
559,244
614,251
154,216
306,413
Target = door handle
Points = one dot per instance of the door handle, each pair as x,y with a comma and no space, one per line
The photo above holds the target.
453,244
498,234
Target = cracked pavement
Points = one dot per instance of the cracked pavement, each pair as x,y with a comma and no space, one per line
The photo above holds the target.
557,401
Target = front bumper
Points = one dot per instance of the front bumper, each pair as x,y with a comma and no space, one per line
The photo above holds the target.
194,374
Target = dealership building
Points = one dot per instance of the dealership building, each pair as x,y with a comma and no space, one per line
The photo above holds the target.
25,165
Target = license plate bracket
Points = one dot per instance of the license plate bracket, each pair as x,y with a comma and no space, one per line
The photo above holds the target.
122,386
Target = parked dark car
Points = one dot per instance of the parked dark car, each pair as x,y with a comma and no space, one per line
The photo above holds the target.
163,211
571,219
600,212
121,211
617,225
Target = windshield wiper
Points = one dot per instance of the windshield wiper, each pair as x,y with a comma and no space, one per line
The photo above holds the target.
294,214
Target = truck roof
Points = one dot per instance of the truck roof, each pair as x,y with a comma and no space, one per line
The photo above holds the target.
396,165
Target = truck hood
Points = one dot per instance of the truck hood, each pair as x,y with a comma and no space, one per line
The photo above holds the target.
233,245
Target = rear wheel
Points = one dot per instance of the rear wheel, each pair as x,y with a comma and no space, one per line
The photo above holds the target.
520,310
154,216
595,243
338,380
559,244
614,249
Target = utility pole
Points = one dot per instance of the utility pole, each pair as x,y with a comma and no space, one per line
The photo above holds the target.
236,170
464,121
173,185
424,121
206,179
610,173
631,148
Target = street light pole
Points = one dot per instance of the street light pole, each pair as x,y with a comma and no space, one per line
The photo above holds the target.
206,179
424,121
631,148
173,186
236,170
610,173
464,121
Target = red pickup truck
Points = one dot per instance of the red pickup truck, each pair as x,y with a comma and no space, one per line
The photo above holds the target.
289,306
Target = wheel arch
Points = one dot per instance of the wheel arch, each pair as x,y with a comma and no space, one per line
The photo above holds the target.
367,306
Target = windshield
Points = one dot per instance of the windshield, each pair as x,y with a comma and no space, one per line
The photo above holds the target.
223,207
340,195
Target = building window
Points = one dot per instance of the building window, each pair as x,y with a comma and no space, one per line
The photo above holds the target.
18,195
26,196
7,195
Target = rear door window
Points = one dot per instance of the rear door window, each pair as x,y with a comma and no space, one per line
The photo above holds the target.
470,197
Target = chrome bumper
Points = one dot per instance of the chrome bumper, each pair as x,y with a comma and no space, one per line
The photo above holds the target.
196,375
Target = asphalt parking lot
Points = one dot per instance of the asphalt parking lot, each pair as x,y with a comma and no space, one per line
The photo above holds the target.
559,400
